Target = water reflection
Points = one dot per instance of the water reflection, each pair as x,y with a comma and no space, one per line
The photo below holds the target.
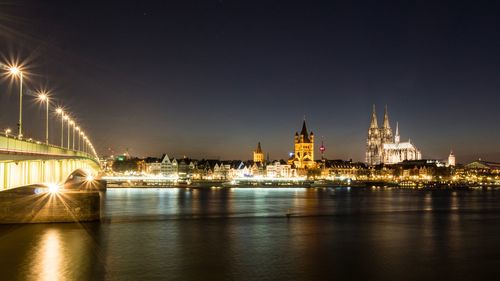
49,258
244,234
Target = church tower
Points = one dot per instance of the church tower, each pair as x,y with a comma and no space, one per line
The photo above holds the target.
386,130
374,141
258,155
303,157
451,159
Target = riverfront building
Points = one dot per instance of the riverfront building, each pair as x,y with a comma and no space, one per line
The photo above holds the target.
303,156
258,155
383,148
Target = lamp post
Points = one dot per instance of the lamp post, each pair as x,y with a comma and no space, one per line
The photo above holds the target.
78,134
61,112
16,71
67,121
45,98
74,128
72,124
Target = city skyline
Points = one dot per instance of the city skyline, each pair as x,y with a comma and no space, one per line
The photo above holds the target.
261,69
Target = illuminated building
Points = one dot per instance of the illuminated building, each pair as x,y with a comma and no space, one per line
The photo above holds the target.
153,168
345,169
258,155
303,156
451,159
483,167
168,167
279,170
381,147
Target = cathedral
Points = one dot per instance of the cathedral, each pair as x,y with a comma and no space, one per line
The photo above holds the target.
382,147
303,156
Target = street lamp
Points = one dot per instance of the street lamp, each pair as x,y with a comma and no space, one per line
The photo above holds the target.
7,132
66,117
86,144
72,124
61,112
45,98
78,133
80,138
16,71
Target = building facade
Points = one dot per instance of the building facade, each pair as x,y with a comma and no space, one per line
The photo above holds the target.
169,167
258,155
303,156
383,148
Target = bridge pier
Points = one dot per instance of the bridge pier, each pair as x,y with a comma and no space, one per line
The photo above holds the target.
32,204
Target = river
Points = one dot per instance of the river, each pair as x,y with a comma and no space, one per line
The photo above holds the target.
245,234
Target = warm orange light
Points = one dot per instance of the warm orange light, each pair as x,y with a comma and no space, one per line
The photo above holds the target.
43,96
14,70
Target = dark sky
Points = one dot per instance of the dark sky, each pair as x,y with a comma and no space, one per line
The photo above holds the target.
212,78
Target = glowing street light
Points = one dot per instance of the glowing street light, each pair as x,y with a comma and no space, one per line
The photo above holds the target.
44,97
61,112
7,132
53,188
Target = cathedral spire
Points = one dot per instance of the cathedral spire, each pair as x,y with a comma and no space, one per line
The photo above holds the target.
304,129
386,119
396,137
373,123
259,149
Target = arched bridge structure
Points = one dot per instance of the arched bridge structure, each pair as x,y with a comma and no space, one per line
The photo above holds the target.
25,162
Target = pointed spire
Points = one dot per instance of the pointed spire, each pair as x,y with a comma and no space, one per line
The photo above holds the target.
386,119
259,149
396,137
304,129
373,123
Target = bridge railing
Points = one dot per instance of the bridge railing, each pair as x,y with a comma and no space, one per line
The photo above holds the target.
14,145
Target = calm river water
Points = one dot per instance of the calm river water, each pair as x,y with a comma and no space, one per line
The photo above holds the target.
244,234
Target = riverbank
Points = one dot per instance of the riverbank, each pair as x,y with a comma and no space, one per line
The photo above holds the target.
302,184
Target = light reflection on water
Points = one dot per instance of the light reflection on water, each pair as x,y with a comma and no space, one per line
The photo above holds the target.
49,257
244,234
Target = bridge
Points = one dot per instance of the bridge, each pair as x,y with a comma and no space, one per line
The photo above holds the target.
27,162
24,161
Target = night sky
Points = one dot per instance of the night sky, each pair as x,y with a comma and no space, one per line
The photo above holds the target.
212,78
